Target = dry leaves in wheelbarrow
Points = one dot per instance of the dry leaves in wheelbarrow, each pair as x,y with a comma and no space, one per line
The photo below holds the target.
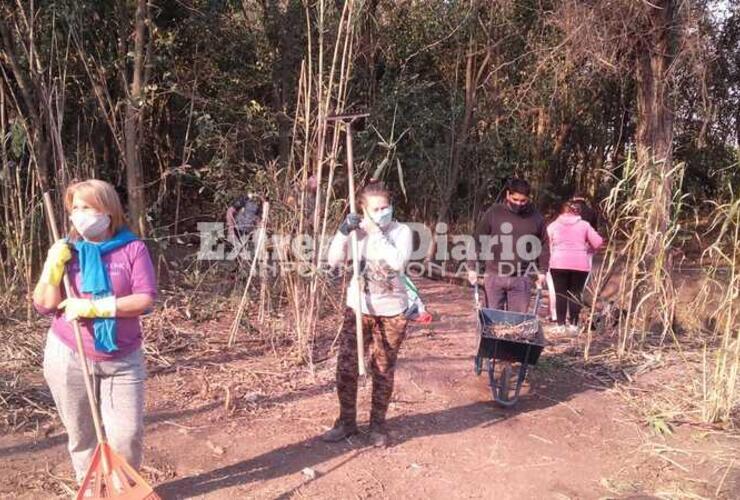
526,331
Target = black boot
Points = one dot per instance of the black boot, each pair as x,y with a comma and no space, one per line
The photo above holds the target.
378,436
340,431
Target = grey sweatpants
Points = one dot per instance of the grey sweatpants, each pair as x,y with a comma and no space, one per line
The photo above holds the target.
119,387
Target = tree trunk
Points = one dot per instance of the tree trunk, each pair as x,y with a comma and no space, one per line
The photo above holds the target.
654,141
555,170
654,134
284,29
134,171
31,99
461,138
540,125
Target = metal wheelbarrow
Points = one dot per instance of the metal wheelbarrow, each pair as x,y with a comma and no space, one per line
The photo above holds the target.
508,337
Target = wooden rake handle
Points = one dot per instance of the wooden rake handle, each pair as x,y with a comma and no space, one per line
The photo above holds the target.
355,256
49,207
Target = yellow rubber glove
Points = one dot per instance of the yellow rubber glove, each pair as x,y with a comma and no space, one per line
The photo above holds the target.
57,256
89,308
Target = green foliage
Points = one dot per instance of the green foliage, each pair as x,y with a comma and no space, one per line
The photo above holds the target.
17,140
222,89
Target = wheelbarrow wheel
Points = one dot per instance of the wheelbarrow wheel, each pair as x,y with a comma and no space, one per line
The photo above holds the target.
504,381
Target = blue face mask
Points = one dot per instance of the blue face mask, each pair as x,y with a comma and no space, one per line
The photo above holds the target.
383,217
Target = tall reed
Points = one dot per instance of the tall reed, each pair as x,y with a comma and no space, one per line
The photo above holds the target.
322,91
720,296
20,227
639,252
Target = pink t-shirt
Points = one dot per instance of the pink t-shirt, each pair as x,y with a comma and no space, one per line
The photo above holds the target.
572,241
131,271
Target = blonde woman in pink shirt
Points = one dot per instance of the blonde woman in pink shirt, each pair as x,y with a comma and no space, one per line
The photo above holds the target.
113,280
572,241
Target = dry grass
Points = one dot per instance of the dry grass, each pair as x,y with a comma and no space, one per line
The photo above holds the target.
187,334
638,250
322,92
25,401
721,361
643,312
687,458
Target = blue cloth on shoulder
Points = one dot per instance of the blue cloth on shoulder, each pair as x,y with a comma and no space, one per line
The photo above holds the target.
95,281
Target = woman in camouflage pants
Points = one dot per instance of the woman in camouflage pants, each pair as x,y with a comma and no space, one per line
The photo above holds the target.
385,247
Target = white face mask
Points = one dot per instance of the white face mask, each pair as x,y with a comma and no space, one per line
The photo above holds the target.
383,217
90,225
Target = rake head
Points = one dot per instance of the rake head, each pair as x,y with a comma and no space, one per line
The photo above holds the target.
110,477
356,121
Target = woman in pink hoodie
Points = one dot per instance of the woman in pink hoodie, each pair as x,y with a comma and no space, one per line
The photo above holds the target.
572,241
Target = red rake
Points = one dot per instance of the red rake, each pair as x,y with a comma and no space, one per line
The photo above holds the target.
109,476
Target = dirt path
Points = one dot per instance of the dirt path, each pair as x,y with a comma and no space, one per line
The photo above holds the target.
569,437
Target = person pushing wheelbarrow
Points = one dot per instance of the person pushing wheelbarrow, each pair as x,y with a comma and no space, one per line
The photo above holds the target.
511,239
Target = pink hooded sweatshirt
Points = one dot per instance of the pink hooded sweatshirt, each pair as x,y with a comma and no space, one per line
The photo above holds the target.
572,242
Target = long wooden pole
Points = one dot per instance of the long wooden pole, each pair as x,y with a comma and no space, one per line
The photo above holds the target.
49,206
257,253
355,255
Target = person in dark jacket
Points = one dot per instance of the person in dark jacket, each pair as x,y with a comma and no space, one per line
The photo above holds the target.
511,239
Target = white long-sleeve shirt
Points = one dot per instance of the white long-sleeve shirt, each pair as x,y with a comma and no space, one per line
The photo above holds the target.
383,260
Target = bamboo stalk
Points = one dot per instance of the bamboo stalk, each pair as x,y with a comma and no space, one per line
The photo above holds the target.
355,257
320,147
245,294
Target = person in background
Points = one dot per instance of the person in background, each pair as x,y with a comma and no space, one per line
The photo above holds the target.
509,272
587,213
242,217
309,203
113,283
385,247
572,241
592,217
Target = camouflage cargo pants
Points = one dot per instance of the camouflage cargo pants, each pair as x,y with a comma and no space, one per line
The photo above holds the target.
384,336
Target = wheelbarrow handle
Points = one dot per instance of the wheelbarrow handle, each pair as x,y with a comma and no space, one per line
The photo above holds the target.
537,299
